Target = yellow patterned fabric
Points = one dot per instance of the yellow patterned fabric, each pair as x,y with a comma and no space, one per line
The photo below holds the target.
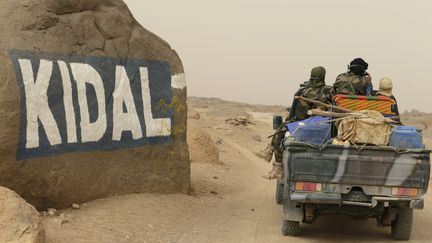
381,104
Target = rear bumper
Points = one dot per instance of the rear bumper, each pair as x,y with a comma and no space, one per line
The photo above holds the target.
324,198
333,198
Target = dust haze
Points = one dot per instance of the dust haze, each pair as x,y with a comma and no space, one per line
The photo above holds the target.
259,51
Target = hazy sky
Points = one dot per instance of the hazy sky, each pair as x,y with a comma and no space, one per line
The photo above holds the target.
260,51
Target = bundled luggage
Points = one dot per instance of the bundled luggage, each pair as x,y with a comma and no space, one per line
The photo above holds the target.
372,129
362,120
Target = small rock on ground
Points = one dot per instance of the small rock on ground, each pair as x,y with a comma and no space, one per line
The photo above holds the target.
257,138
51,211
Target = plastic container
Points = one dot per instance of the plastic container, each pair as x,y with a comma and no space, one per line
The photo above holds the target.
315,133
406,137
292,127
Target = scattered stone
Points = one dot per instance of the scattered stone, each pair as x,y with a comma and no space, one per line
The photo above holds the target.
239,121
51,211
63,219
26,3
214,192
75,206
253,209
215,177
194,115
219,141
256,138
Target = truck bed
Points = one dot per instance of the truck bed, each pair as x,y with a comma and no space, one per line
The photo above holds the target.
371,165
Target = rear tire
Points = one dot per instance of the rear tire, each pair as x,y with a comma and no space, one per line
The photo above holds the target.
402,225
279,192
291,228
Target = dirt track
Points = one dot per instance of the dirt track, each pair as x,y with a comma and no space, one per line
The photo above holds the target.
230,202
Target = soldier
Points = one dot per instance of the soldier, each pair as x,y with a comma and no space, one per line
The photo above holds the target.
314,89
356,81
385,89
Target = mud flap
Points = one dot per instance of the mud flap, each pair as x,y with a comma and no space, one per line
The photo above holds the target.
293,212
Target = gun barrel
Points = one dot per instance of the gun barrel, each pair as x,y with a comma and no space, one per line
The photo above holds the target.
319,103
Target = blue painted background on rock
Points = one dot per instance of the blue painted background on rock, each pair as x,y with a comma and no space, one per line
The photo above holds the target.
159,74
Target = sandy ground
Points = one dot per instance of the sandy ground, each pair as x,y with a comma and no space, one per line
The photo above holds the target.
229,201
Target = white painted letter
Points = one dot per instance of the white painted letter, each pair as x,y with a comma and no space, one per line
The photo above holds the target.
37,103
84,73
68,103
154,127
122,121
178,81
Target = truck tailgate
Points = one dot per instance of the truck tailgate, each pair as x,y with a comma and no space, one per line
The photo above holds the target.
371,165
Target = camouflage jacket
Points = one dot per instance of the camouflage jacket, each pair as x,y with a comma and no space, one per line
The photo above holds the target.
351,84
300,107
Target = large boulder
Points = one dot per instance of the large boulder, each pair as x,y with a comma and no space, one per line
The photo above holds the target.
19,221
91,103
201,146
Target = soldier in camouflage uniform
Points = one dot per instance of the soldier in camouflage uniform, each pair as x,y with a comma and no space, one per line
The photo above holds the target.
356,81
314,89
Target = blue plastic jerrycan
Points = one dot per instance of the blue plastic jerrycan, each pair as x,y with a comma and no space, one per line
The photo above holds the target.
406,137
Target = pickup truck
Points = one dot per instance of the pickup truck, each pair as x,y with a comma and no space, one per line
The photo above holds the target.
363,182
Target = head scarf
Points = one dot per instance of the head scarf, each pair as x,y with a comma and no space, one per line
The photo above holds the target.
317,78
358,66
386,87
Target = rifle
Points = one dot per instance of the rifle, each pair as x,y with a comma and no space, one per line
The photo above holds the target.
319,103
277,133
318,112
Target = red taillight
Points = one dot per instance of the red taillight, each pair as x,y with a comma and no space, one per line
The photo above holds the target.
308,186
402,191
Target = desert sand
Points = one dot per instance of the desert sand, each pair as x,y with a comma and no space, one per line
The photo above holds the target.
229,201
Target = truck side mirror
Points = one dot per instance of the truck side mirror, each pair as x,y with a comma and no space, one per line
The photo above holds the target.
277,122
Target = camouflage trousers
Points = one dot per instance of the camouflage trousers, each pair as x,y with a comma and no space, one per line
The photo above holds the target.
276,142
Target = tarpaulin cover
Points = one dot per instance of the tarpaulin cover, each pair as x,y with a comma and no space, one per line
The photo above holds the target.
370,129
292,127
